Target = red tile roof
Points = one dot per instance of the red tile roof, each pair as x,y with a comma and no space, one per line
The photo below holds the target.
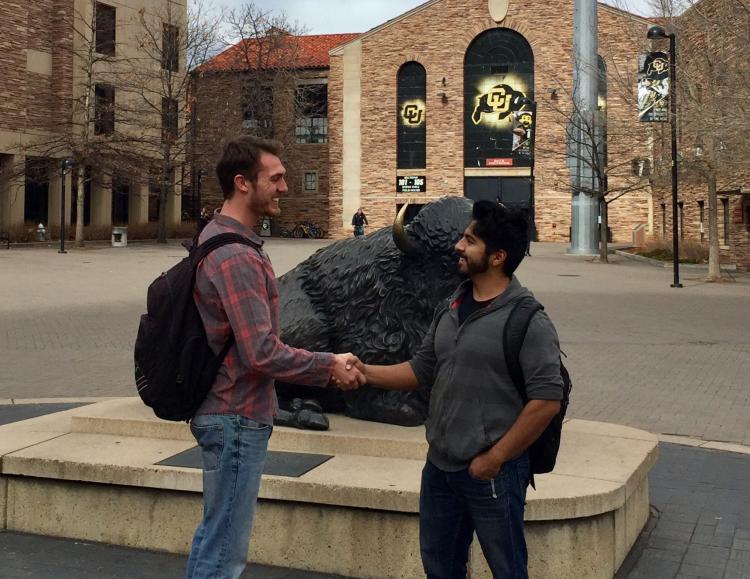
279,52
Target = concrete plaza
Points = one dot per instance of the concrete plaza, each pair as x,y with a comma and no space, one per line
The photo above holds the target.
670,361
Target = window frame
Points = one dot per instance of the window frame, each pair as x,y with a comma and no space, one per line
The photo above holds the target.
104,46
104,118
304,180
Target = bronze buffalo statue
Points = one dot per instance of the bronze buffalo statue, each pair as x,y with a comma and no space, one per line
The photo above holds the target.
374,296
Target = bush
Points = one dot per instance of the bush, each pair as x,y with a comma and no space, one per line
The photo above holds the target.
661,249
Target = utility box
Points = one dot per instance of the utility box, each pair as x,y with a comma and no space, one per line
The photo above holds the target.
119,237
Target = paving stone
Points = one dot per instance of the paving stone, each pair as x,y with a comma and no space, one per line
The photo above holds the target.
674,530
703,534
701,571
737,569
706,556
741,544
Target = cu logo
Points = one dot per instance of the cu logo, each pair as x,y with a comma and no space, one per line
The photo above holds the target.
413,114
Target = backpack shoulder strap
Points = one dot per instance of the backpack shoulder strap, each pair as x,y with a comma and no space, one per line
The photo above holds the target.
514,334
215,242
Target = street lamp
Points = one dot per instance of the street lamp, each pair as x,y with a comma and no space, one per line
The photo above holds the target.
655,33
527,103
66,167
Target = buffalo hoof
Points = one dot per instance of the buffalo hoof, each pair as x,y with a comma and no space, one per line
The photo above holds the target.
303,414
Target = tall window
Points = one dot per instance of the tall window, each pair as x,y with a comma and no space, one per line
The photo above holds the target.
312,114
498,78
725,209
681,207
168,118
104,109
663,219
170,48
257,109
311,181
104,27
702,211
412,111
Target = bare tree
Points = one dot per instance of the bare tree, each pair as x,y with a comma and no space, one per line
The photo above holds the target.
713,91
612,147
172,43
85,128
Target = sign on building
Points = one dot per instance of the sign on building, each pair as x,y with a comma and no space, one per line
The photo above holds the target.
653,88
412,184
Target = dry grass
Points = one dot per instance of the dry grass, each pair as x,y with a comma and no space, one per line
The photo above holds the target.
661,249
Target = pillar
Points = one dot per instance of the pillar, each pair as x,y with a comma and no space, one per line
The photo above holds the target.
138,208
101,198
55,193
174,204
12,191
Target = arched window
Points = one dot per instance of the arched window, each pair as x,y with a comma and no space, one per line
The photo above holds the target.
498,78
411,139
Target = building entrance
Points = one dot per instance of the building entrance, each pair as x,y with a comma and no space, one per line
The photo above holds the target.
517,192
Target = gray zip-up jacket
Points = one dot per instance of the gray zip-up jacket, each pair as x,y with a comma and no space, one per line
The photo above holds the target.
473,401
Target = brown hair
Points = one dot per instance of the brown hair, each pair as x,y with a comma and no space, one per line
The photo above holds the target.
241,156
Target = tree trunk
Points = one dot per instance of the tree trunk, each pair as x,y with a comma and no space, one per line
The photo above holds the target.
714,269
80,205
603,248
164,191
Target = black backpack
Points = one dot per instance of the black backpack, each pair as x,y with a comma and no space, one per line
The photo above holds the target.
174,365
543,451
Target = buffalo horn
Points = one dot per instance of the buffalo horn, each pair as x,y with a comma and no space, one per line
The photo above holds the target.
400,237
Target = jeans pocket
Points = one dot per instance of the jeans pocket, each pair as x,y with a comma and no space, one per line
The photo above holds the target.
210,438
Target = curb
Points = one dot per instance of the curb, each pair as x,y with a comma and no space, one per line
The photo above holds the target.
668,264
706,444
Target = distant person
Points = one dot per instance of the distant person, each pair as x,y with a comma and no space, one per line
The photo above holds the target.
359,220
204,219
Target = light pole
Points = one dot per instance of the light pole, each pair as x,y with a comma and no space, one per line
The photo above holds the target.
65,168
654,33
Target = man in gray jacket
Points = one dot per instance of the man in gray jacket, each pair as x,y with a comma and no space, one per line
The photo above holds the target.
478,428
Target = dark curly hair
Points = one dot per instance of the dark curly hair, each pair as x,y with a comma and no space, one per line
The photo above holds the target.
501,228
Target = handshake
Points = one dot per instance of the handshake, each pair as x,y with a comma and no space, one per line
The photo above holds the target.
348,372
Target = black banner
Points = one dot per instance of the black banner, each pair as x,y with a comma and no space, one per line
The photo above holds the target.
412,117
653,88
498,82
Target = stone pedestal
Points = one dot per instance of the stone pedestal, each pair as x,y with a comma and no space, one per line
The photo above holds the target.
92,473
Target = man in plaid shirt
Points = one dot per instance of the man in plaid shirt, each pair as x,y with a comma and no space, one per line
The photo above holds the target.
235,291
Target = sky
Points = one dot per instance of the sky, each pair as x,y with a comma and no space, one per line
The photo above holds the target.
338,16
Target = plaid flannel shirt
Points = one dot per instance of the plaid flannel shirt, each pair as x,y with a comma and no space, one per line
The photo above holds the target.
235,291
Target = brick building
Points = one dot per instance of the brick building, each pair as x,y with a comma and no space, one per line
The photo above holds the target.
464,67
714,83
45,52
274,87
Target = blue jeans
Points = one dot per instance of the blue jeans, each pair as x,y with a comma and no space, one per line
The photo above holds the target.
234,450
453,505
359,230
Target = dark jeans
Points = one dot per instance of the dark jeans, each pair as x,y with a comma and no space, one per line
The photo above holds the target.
453,505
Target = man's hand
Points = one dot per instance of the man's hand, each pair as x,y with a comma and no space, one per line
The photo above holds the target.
346,373
485,466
